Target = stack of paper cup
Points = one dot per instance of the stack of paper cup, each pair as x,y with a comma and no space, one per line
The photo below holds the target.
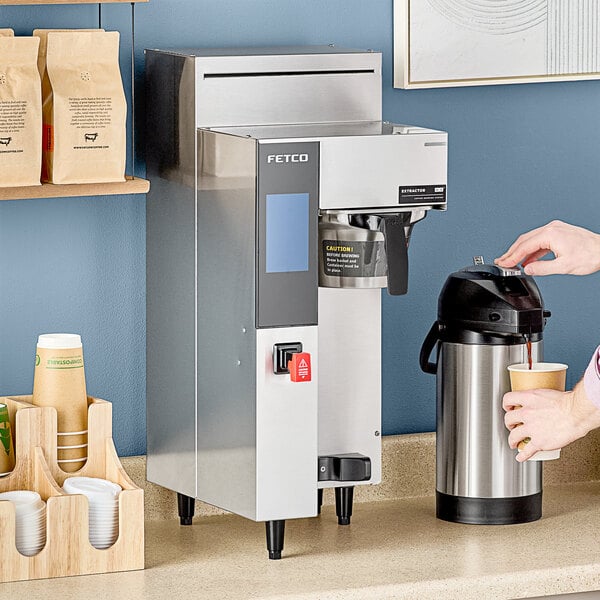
59,381
30,520
103,499
7,454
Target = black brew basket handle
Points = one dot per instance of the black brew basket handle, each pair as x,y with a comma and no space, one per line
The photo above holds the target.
429,344
396,250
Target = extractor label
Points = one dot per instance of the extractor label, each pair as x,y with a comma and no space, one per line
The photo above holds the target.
353,259
420,194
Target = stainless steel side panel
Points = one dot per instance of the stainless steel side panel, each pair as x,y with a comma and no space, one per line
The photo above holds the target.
170,106
170,276
350,375
473,457
226,335
367,171
286,430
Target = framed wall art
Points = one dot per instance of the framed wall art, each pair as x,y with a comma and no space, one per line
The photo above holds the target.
445,43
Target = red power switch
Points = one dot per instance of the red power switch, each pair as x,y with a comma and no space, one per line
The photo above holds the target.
299,366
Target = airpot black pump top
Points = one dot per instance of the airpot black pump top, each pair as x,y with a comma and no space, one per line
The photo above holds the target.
485,302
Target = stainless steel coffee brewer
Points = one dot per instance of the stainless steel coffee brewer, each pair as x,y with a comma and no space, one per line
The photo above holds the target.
486,317
280,205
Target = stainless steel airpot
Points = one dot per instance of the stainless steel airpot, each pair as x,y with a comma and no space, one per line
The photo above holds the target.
486,315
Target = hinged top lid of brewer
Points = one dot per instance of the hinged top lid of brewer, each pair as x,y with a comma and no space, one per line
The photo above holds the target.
266,61
264,50
359,163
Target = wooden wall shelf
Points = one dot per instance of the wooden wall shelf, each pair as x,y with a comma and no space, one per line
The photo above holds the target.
25,2
131,185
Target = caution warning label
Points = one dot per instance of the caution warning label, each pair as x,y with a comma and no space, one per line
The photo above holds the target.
353,259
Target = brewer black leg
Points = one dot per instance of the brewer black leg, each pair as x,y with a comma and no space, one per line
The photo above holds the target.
343,504
185,507
319,500
275,533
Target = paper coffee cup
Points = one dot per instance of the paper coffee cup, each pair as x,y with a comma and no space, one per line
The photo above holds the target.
7,453
59,382
549,376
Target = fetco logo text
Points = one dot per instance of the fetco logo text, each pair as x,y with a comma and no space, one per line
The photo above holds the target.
287,158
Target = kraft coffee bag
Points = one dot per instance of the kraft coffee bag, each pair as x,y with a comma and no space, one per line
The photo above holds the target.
84,109
20,112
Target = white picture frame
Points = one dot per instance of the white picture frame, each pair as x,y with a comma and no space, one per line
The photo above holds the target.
453,43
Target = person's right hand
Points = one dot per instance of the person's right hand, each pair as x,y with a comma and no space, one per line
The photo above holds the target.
576,250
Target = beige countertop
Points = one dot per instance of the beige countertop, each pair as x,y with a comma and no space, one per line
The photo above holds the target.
392,549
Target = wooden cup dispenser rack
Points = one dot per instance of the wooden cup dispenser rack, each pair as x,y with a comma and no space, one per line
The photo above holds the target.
68,550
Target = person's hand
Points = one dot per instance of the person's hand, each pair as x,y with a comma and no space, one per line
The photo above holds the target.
576,250
550,419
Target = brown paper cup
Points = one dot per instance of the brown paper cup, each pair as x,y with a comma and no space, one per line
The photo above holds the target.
7,454
71,465
72,450
548,376
59,382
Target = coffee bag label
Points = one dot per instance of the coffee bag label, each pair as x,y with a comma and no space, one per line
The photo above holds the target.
13,118
90,116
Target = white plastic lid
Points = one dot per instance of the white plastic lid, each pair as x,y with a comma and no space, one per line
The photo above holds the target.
21,497
59,340
92,487
25,501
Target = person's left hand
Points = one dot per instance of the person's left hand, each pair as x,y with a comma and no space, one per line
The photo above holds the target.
551,419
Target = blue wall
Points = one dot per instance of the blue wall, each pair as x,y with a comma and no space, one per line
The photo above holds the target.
519,156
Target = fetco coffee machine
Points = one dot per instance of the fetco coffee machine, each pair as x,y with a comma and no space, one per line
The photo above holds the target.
280,205
487,318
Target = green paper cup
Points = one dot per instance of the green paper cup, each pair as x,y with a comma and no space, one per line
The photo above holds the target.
7,454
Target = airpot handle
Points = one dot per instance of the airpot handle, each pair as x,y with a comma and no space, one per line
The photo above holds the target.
428,345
